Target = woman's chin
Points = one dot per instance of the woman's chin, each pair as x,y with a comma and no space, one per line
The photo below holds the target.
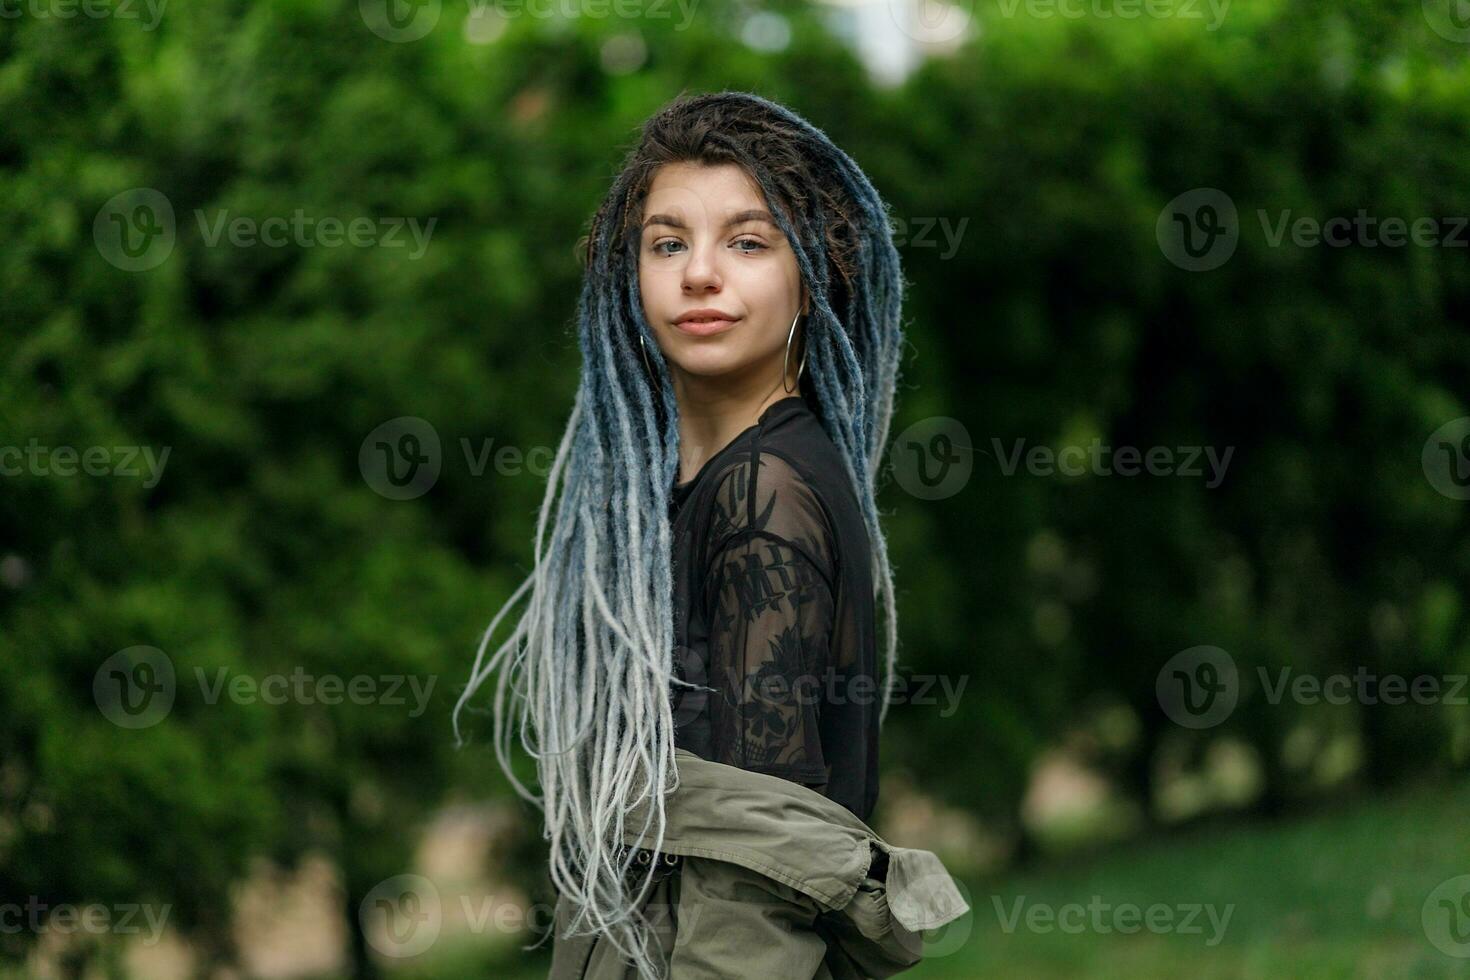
709,364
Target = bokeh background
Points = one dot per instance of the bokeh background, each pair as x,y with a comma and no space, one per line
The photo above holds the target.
1177,497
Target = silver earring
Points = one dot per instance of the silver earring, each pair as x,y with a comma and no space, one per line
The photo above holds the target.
785,361
644,348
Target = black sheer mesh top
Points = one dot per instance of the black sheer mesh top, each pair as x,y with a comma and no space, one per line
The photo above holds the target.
773,605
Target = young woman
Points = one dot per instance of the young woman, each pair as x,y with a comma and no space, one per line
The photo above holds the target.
709,555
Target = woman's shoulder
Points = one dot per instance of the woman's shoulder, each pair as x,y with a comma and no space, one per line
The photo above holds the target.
778,489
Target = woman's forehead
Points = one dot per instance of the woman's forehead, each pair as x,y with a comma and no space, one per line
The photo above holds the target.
716,190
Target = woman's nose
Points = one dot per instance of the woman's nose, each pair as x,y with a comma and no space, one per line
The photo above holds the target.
700,272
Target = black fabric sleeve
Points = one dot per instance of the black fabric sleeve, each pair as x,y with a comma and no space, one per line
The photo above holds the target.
770,601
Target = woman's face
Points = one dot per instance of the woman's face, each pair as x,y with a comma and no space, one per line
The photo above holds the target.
708,243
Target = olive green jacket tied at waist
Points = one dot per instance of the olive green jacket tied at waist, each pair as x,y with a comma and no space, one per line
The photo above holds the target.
761,877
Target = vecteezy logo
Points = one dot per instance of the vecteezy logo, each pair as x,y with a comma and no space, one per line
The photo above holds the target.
401,458
933,458
134,688
399,20
1199,229
1446,459
689,702
1450,19
134,230
1198,687
401,916
932,21
1446,917
950,937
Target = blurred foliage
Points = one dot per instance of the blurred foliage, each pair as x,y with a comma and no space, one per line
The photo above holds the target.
1322,370
1057,319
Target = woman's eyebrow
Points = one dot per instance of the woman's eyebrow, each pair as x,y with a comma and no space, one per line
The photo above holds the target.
740,217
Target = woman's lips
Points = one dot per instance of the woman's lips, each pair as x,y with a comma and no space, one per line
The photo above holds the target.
704,328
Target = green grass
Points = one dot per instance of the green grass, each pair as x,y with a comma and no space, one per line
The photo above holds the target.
1338,894
1335,894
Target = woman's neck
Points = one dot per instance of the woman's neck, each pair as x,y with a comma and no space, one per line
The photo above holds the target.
710,420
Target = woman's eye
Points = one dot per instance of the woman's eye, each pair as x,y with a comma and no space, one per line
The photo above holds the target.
660,248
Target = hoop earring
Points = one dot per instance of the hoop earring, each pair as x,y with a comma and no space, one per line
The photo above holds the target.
644,348
786,361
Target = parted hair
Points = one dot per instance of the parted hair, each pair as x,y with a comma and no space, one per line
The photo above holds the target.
586,677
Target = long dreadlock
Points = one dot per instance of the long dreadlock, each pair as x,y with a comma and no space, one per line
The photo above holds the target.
589,666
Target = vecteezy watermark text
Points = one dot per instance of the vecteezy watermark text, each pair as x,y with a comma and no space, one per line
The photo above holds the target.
137,688
303,688
303,231
922,237
39,460
121,918
1364,230
1365,687
136,230
1200,687
402,458
146,12
1199,229
403,916
1095,459
403,22
830,687
1121,10
1100,916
